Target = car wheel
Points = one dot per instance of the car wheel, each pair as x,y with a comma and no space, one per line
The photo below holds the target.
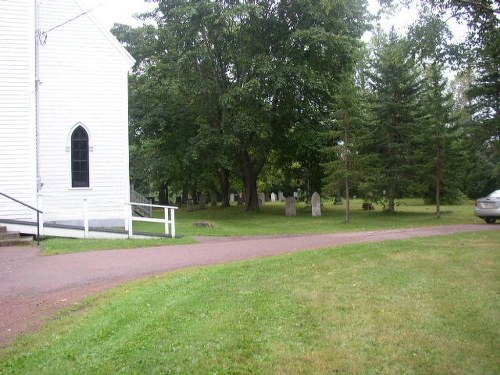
490,220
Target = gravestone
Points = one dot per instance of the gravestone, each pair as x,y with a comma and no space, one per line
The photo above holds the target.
261,199
316,205
231,198
213,199
338,200
290,207
202,201
281,197
274,197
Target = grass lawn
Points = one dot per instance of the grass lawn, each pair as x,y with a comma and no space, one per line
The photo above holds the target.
271,219
420,306
53,246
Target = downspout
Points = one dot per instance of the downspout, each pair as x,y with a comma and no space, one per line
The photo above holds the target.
38,41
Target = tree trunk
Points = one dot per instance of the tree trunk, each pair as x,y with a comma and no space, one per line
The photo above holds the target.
185,193
438,186
348,204
225,187
163,194
250,175
392,205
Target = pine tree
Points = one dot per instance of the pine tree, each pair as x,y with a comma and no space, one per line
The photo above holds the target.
396,125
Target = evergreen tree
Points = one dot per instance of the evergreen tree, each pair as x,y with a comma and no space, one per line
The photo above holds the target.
442,147
394,132
345,167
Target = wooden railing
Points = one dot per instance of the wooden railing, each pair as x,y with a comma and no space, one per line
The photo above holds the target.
168,220
144,208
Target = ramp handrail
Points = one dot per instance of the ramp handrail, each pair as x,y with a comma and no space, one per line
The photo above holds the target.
168,220
38,212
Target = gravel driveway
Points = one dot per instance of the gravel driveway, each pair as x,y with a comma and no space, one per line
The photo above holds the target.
34,287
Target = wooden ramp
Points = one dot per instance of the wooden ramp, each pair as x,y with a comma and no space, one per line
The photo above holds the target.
72,231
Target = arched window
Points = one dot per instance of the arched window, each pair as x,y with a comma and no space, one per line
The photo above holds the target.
79,158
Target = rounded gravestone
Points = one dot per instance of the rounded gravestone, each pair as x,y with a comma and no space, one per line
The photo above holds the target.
316,205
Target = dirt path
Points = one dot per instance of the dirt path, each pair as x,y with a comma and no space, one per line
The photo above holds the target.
34,287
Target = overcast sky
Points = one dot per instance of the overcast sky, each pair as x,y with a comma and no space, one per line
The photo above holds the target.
121,11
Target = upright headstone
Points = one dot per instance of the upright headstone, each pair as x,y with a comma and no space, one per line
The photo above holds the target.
261,198
273,197
281,197
316,205
213,199
231,198
338,200
290,206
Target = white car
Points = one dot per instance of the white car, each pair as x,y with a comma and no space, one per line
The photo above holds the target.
488,208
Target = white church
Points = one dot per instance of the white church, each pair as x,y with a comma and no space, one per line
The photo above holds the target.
63,116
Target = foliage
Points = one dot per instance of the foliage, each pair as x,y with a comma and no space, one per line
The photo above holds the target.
395,131
444,161
255,78
345,168
478,59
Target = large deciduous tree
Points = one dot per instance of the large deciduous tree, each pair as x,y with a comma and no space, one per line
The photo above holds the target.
251,73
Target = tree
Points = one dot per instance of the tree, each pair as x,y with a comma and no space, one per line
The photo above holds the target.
251,72
477,57
395,129
442,150
345,167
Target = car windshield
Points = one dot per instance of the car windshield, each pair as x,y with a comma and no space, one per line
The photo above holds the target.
495,194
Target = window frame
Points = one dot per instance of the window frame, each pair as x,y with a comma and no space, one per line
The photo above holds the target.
80,148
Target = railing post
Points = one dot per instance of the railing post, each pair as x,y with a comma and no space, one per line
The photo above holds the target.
40,218
130,221
172,221
85,218
126,220
165,210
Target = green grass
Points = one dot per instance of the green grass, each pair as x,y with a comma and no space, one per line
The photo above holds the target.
234,221
53,246
271,220
420,306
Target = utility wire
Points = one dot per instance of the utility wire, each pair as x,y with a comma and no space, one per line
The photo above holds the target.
74,18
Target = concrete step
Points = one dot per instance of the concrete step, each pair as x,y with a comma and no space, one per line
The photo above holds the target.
13,238
9,235
22,241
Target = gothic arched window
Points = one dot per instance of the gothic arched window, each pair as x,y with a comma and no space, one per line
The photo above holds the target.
79,158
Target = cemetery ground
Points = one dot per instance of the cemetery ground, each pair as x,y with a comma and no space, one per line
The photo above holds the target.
415,306
271,220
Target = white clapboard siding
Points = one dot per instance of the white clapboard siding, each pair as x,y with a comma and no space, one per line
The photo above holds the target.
84,72
17,108
84,81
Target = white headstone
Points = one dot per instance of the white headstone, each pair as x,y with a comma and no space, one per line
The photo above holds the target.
281,197
231,198
316,205
290,207
273,197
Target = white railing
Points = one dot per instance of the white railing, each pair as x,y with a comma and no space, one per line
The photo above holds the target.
168,220
84,209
